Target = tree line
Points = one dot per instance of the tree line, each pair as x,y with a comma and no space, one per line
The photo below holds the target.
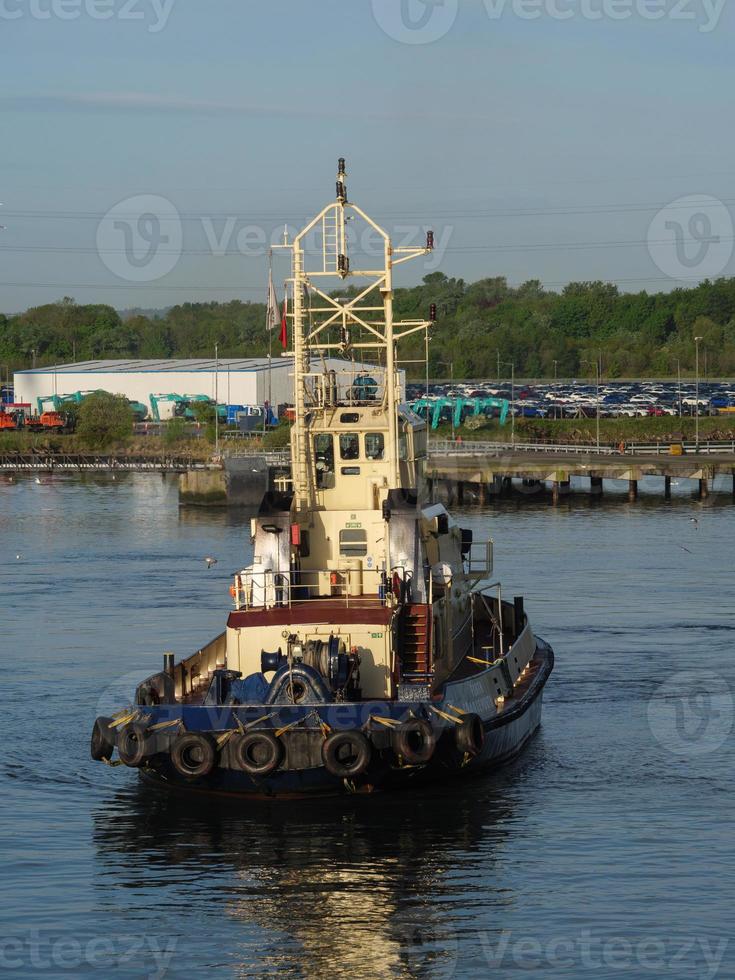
482,327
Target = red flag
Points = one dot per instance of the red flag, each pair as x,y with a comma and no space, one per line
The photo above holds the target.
271,313
284,323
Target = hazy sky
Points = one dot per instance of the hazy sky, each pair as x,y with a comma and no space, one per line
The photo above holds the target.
539,139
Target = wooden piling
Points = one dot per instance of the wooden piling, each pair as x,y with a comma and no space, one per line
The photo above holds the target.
703,489
596,486
632,490
667,488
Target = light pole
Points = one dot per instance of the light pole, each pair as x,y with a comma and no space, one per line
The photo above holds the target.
678,375
216,398
597,397
555,364
33,355
696,392
511,364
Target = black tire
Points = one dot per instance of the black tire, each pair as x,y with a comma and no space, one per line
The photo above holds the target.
132,744
414,741
346,754
193,755
469,735
102,743
258,753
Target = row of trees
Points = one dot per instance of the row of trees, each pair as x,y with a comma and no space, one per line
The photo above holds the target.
542,332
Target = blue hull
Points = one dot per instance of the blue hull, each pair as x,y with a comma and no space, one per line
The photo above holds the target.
506,732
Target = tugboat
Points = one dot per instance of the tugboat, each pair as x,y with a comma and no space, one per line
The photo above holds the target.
367,649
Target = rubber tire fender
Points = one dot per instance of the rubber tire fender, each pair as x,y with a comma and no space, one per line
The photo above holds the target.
181,757
469,735
361,750
404,737
132,744
102,744
244,747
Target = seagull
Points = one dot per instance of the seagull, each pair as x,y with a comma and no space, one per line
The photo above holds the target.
18,556
695,522
685,549
38,479
210,562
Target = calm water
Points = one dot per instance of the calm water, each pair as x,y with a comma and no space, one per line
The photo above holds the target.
607,850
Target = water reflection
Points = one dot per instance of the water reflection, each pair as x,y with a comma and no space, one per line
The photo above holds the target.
332,888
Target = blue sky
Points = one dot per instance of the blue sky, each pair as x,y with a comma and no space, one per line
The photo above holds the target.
536,148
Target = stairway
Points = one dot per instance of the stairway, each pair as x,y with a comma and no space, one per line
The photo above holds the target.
415,652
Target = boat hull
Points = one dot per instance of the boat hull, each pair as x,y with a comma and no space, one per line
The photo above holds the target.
506,732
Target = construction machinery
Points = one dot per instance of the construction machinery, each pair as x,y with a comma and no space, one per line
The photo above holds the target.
459,408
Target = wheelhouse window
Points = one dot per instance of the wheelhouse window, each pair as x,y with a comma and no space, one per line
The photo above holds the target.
324,460
353,543
349,445
374,445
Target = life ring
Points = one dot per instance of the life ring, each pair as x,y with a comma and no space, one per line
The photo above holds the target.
414,741
132,744
258,753
101,745
346,754
469,735
193,755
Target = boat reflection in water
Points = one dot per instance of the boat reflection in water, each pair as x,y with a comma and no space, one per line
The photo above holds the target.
390,885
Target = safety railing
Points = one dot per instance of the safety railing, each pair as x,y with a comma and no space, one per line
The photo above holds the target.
347,585
479,560
663,448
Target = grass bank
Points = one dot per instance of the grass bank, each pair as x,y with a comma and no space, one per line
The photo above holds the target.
584,432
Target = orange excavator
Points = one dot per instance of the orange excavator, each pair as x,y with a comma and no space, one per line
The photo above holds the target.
45,422
8,422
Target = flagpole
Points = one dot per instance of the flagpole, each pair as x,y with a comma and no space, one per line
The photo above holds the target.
269,328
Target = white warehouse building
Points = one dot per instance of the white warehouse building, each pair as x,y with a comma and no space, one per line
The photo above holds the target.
233,381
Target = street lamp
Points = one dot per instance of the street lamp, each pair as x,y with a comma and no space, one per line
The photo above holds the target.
555,364
451,386
696,392
678,375
512,398
216,398
597,397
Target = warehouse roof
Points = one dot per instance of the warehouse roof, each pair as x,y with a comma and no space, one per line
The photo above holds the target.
173,365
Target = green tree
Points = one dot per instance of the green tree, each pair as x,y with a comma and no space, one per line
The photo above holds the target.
104,419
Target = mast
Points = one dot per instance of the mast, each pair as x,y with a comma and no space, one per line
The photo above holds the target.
343,326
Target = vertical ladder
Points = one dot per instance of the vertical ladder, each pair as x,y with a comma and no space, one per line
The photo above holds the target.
415,652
